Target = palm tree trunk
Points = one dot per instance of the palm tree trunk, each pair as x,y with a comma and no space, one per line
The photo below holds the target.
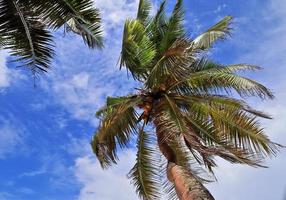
187,187
192,190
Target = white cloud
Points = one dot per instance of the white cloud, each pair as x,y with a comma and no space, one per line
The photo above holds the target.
8,76
4,72
10,138
114,13
109,184
81,96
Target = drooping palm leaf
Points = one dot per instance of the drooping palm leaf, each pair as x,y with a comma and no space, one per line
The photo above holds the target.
25,35
116,127
145,174
236,127
196,144
114,102
25,24
78,16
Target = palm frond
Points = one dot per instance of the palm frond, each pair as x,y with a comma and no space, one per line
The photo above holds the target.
25,36
203,138
143,11
145,174
116,127
171,65
78,16
174,27
114,102
219,31
222,78
238,128
158,25
220,101
137,50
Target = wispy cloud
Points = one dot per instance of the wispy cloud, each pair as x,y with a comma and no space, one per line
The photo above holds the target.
33,173
220,8
11,137
5,195
114,13
8,76
109,184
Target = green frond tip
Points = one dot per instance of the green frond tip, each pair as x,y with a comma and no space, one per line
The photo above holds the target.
174,27
144,10
137,50
219,31
145,175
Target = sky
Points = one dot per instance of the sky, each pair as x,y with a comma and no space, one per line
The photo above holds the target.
45,130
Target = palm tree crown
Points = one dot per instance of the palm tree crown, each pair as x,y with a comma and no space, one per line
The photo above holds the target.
25,28
186,99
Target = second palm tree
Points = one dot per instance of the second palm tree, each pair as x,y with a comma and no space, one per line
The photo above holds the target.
184,99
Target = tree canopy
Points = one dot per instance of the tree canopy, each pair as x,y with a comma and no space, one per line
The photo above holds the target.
187,103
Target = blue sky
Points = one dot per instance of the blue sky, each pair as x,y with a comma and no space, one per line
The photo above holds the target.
45,131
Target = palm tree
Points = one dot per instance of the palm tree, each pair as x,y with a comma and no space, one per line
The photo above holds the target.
184,108
25,28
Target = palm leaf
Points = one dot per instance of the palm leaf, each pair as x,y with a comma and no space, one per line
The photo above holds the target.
237,127
218,31
220,101
174,27
137,50
25,36
202,151
221,78
158,25
78,16
170,66
116,127
114,102
143,11
145,174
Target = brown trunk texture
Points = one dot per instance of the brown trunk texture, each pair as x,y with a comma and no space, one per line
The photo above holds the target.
192,190
187,188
